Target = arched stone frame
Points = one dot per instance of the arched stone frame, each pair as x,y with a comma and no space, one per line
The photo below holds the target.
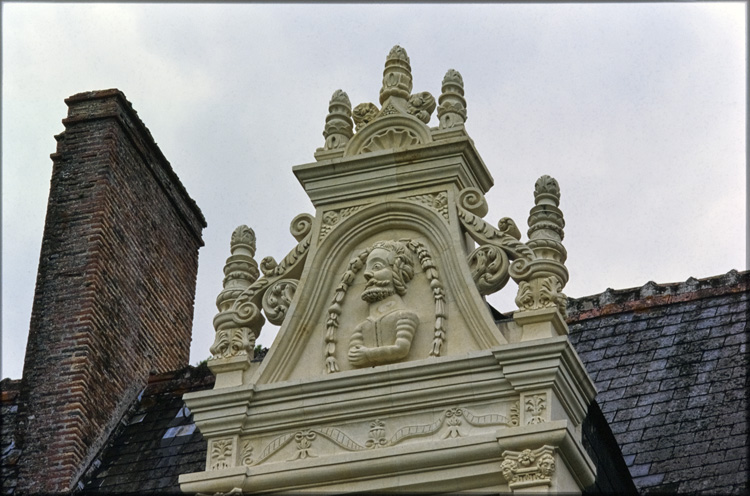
331,256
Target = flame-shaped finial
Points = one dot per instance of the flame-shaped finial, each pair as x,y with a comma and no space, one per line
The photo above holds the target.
396,75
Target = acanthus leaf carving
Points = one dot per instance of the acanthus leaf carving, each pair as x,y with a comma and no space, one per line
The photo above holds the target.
221,454
331,218
437,201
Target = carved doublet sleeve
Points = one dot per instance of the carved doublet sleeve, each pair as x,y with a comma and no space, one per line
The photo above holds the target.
386,340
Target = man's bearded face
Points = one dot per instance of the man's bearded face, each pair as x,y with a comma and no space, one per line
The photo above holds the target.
379,276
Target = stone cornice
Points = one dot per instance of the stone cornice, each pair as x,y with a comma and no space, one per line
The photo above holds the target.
454,160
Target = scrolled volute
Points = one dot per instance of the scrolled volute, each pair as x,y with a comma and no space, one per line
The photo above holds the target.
277,299
472,199
489,268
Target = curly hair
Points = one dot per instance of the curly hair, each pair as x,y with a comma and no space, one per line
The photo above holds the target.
403,264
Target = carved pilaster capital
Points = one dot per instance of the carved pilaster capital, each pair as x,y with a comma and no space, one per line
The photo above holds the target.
528,468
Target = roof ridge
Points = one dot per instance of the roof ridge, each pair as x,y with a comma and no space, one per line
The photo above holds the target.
652,294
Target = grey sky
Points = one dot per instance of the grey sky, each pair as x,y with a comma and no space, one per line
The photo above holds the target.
638,110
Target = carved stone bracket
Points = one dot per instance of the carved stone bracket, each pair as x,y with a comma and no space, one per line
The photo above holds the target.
528,468
377,436
537,265
239,321
490,263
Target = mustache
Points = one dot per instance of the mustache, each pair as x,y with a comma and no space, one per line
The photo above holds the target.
377,283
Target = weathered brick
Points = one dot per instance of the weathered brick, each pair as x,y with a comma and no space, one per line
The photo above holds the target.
97,320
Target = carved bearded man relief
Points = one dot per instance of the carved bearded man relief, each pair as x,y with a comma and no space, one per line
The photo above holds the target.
385,336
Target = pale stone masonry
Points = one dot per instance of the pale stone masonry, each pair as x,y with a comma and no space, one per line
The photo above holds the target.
389,372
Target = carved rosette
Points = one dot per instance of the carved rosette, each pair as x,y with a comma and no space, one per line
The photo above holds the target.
452,109
396,75
528,468
338,129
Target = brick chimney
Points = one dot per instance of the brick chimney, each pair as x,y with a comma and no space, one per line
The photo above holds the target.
114,292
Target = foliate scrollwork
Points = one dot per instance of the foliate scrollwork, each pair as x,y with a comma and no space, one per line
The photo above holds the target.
421,105
363,114
277,298
301,226
331,218
239,321
528,468
472,200
436,201
489,268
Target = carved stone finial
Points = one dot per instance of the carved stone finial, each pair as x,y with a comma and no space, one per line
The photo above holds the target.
338,129
396,75
240,272
546,221
241,269
547,275
452,109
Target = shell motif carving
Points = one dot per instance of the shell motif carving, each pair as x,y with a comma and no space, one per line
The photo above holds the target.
391,138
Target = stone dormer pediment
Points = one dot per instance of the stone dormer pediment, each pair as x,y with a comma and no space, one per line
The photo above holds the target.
388,358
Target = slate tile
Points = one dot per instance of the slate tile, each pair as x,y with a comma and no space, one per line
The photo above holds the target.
647,421
633,413
649,480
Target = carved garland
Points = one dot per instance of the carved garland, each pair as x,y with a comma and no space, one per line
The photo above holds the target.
355,265
376,437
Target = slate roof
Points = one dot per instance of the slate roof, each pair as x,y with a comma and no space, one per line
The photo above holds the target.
157,440
670,366
669,362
